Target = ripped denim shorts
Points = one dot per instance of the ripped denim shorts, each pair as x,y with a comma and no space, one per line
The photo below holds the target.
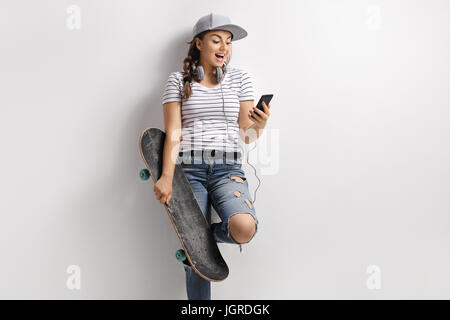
217,180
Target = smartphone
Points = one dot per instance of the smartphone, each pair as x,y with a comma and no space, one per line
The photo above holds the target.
266,98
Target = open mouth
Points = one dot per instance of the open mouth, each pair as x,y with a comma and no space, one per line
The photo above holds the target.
220,57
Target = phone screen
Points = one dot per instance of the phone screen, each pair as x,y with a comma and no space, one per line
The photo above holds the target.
266,98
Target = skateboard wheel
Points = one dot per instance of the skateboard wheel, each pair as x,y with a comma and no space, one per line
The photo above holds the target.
180,255
144,174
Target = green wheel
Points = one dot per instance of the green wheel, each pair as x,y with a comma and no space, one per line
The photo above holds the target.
180,255
144,174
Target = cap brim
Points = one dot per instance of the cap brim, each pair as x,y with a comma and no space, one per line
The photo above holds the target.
238,32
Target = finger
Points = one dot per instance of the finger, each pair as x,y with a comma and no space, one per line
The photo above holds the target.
266,105
260,113
266,108
254,117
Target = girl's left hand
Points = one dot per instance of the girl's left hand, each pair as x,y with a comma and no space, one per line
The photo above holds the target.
259,117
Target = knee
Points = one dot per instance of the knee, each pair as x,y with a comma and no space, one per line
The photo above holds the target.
242,227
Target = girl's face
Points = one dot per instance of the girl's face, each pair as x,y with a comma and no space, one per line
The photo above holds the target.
214,44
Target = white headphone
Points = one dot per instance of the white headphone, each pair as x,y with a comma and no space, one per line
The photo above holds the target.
200,72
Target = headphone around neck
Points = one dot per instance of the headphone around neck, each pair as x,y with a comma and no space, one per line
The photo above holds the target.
200,73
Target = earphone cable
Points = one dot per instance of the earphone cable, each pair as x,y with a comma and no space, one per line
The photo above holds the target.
242,150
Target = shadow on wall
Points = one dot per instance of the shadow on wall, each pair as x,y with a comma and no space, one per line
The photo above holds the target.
131,240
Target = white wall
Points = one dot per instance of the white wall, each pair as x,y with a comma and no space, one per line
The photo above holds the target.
358,171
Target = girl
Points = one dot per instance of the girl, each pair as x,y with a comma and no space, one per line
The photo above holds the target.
207,108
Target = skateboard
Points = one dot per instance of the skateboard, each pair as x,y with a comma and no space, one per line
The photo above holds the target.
198,244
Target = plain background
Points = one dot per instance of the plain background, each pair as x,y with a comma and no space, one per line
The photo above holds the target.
354,162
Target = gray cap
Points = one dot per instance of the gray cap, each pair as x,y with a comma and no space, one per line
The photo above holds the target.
214,21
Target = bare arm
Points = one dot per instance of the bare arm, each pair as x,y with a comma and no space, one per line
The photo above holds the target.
172,123
247,128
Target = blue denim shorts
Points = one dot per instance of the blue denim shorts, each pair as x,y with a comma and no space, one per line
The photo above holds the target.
221,183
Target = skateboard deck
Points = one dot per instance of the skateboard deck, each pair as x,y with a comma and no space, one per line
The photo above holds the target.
188,221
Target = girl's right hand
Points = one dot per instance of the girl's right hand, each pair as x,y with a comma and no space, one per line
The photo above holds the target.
163,190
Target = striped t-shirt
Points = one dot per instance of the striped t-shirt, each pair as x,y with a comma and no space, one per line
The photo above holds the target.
203,121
